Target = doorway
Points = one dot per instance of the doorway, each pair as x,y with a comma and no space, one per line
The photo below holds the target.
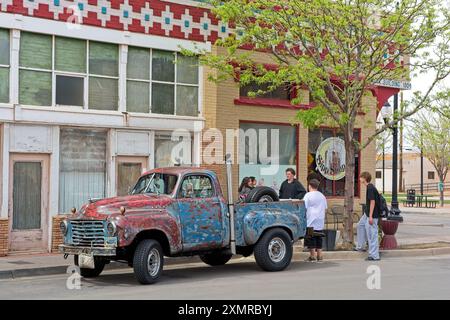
129,169
28,202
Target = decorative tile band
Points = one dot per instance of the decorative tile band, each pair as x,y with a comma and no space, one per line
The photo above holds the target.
171,19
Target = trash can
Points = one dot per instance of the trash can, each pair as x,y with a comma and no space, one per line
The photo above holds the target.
329,240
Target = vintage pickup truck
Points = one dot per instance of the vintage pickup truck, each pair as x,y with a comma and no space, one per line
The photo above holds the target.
178,212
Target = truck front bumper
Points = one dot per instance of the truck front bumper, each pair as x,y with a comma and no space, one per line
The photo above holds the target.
102,251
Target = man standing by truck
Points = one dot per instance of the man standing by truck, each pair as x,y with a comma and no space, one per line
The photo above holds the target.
291,188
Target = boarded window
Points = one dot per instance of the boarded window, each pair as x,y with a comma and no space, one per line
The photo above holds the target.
127,175
82,167
35,88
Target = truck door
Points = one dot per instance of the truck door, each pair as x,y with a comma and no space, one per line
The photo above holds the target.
200,213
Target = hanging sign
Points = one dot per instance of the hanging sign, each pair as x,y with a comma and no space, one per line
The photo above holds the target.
330,158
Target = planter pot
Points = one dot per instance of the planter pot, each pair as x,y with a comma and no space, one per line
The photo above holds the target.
389,228
329,241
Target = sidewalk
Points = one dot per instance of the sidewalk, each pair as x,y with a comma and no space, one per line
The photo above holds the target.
423,232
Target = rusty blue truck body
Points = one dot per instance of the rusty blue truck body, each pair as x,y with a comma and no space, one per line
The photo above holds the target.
182,218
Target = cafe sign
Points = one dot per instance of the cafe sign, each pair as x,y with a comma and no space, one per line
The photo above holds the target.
330,158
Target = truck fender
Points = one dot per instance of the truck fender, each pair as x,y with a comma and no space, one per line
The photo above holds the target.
256,222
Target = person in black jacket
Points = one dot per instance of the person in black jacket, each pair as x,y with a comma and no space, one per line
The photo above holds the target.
291,188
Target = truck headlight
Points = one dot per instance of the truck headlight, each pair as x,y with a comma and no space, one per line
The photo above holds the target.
111,228
63,227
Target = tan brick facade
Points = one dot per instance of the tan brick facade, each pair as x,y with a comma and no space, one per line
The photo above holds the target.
4,232
57,236
221,112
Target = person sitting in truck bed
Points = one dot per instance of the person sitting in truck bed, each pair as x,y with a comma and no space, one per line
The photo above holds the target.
245,187
291,188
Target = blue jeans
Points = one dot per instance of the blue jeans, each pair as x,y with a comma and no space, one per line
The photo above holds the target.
368,233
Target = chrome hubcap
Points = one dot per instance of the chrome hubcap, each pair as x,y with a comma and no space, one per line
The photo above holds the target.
277,249
153,262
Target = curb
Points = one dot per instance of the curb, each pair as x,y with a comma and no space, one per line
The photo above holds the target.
61,269
399,253
298,256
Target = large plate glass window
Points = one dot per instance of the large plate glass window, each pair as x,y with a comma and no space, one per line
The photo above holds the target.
171,151
260,147
4,65
82,167
329,187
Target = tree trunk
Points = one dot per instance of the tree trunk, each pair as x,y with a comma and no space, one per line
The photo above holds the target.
347,234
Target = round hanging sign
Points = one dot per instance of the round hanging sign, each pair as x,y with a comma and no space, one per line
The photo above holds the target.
330,158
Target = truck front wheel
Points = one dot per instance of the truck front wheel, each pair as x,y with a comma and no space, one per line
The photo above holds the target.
148,261
215,259
273,251
91,273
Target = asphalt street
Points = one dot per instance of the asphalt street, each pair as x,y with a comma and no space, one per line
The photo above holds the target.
400,278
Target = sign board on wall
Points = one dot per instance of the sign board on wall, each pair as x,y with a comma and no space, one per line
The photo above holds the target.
330,158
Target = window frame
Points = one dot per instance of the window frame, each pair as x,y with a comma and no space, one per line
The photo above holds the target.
8,66
54,73
175,83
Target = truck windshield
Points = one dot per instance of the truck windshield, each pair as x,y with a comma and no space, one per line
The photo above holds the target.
158,183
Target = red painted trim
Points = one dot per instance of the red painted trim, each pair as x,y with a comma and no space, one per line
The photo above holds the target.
272,103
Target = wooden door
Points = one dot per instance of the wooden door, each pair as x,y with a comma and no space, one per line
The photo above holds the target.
28,202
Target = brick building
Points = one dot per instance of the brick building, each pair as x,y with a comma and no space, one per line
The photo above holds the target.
91,91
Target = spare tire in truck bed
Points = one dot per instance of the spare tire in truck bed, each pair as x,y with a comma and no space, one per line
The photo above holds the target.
261,194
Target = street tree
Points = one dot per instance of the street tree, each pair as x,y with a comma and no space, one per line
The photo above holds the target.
338,50
431,134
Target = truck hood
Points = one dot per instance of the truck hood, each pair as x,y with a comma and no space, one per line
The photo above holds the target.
105,208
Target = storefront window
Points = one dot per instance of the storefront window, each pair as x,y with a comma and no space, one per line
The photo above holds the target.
4,65
254,158
171,151
82,167
330,171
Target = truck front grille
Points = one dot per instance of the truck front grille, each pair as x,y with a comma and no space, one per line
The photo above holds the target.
88,233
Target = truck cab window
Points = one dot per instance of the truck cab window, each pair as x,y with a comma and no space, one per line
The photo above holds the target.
196,187
157,183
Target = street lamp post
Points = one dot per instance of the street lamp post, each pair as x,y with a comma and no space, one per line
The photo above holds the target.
421,165
395,210
385,114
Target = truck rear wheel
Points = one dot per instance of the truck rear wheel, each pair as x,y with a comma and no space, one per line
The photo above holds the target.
91,273
261,194
148,261
215,259
273,251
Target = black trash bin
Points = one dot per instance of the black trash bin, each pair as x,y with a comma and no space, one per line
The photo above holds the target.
329,240
411,197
